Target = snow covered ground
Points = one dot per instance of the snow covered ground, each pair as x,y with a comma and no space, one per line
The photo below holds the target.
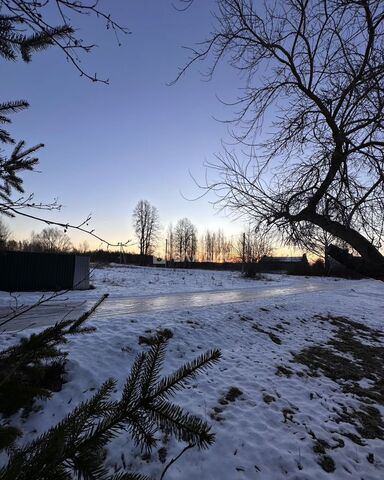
131,280
123,281
306,403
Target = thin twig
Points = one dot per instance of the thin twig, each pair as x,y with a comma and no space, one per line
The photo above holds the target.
175,459
68,225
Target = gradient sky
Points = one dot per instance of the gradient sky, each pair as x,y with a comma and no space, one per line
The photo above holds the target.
109,146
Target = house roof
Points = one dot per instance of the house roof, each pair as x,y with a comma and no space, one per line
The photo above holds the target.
282,259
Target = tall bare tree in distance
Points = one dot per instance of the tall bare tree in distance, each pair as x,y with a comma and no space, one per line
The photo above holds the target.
170,243
5,235
311,112
146,224
185,238
50,239
215,247
253,245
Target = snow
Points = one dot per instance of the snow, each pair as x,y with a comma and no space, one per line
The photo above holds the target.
130,280
267,432
125,280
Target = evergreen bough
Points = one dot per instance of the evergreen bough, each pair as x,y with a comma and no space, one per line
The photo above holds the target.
14,42
35,367
74,448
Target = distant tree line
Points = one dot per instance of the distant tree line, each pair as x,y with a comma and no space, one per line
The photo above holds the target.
182,243
50,239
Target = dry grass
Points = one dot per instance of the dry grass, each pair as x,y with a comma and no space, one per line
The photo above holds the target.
353,354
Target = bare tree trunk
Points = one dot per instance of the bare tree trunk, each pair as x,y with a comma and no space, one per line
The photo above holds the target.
319,64
370,254
354,264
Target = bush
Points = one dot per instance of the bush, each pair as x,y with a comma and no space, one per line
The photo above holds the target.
318,268
251,271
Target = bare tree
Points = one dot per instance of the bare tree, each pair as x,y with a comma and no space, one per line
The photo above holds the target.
215,246
253,245
315,69
146,225
83,247
170,244
52,240
223,246
185,237
207,243
5,235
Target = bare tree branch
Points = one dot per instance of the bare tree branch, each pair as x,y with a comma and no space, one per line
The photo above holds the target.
310,118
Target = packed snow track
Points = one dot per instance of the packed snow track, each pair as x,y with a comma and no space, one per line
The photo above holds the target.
57,310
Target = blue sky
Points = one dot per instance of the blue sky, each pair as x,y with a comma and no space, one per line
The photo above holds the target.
109,146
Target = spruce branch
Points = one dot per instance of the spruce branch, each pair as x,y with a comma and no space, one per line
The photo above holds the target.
8,436
131,394
13,107
142,430
6,109
35,366
128,476
176,381
42,40
153,363
21,159
75,446
27,28
184,426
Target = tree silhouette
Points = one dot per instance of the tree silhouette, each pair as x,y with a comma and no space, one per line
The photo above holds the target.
310,118
50,239
5,234
146,225
185,238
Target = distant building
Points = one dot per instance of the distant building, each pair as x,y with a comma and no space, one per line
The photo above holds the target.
158,261
283,264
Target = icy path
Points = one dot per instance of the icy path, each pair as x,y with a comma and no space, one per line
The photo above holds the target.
117,307
42,315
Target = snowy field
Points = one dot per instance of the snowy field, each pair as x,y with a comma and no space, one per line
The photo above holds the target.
297,395
131,280
123,281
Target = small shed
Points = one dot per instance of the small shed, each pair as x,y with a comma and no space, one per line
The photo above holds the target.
32,271
158,261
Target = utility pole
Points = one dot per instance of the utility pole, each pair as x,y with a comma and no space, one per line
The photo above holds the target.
166,252
243,265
